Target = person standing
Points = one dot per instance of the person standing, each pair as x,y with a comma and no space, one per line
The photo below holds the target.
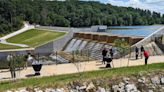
142,51
111,53
137,52
146,55
104,54
11,64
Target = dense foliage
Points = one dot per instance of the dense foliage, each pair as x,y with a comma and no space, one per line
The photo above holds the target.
71,13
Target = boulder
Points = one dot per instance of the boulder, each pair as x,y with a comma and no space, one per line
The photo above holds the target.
131,88
90,87
100,89
155,80
162,80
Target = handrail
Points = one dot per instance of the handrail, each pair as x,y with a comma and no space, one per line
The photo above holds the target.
148,38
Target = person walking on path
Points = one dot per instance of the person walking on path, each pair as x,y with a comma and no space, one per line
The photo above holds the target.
104,54
146,55
111,53
142,51
136,52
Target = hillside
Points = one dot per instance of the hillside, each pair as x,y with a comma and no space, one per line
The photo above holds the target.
70,13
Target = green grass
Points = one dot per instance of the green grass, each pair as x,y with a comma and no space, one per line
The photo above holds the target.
63,79
6,47
35,37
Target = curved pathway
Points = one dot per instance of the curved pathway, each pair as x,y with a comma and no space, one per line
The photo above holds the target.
49,70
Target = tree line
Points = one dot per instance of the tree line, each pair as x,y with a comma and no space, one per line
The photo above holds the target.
72,13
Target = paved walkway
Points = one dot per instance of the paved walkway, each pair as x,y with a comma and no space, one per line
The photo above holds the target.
49,70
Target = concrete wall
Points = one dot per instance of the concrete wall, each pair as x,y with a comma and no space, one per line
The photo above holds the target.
102,38
45,49
111,39
107,38
56,45
95,37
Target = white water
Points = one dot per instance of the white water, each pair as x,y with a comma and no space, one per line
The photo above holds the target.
83,44
70,45
76,45
95,48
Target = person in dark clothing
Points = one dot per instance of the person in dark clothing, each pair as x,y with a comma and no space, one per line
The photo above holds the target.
108,60
104,54
111,53
137,52
142,51
146,54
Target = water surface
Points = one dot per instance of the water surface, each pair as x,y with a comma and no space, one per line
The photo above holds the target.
133,30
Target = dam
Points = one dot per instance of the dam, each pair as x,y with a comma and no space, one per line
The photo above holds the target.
92,43
96,42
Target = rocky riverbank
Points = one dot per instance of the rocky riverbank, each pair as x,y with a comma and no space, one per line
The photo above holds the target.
142,82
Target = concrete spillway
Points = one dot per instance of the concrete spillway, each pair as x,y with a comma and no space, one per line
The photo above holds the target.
94,48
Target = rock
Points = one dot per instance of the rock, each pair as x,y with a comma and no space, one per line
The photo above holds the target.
152,86
126,80
155,80
73,90
121,87
39,91
142,80
82,87
22,90
59,90
90,87
49,90
54,90
115,88
9,91
100,89
121,84
162,80
150,91
36,89
131,88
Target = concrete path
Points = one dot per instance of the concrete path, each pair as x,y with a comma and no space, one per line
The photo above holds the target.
15,44
49,70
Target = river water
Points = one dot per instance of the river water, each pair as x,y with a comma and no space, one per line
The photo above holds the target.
133,30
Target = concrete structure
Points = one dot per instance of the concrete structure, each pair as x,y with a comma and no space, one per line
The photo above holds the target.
46,48
55,45
98,28
150,38
105,37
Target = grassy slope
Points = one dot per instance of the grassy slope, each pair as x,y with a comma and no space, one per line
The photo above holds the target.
63,79
35,37
6,47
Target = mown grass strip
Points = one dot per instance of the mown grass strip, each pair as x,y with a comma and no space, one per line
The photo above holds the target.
63,79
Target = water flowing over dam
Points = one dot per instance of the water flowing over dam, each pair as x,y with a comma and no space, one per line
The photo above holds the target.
93,47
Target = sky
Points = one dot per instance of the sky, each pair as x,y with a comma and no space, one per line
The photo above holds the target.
153,5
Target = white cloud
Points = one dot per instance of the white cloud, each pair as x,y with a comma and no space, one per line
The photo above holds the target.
153,5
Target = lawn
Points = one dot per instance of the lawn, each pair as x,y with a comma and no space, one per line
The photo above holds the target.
35,37
64,79
6,47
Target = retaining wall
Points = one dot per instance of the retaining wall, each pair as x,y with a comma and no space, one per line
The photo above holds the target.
107,38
